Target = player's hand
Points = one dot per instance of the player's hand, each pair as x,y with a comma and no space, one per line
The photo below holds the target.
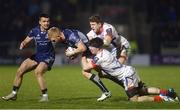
21,46
72,57
69,53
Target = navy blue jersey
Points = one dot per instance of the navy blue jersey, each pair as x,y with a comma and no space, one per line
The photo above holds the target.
44,47
43,44
72,37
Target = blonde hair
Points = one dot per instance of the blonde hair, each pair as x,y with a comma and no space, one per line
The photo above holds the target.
54,32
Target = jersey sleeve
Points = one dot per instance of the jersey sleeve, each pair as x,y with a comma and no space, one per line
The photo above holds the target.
108,31
31,33
74,38
96,61
90,35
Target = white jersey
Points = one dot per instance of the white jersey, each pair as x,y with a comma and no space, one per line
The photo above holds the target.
118,40
125,43
110,65
107,28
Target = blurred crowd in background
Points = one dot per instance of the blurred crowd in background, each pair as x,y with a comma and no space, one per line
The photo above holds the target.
152,25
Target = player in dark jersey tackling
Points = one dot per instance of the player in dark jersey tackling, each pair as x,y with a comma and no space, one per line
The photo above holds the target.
79,42
40,62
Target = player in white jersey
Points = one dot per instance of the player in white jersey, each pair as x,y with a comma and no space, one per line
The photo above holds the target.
117,44
134,88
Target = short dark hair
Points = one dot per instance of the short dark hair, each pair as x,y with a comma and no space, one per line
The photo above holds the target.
95,18
96,42
43,15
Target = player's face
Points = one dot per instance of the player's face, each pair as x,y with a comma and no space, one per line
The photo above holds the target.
93,50
55,36
44,23
54,39
95,26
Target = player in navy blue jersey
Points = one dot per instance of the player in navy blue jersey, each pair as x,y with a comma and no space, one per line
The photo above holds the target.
40,62
79,44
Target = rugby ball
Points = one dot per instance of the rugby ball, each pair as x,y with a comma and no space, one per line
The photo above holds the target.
71,49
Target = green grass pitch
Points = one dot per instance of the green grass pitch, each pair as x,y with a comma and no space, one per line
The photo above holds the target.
68,89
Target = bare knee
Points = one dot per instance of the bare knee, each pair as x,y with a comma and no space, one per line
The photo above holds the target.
38,73
19,73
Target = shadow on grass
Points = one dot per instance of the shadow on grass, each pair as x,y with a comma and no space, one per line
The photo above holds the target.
88,99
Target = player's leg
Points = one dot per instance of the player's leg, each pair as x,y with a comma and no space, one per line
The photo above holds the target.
143,90
163,92
25,66
137,98
133,94
134,87
39,72
114,79
132,84
157,98
96,80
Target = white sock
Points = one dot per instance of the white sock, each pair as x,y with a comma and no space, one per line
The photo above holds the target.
14,92
45,95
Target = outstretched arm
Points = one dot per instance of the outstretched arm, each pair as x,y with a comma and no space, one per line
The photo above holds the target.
25,42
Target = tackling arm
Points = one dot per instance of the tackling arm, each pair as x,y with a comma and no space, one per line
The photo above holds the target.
87,64
25,42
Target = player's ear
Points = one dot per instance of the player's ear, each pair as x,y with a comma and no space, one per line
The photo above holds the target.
39,21
100,24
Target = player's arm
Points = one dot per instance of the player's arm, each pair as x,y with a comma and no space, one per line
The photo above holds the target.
108,37
25,42
80,48
107,40
87,64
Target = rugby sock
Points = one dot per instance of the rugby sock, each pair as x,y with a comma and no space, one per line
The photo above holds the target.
95,79
44,92
157,99
163,91
15,89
